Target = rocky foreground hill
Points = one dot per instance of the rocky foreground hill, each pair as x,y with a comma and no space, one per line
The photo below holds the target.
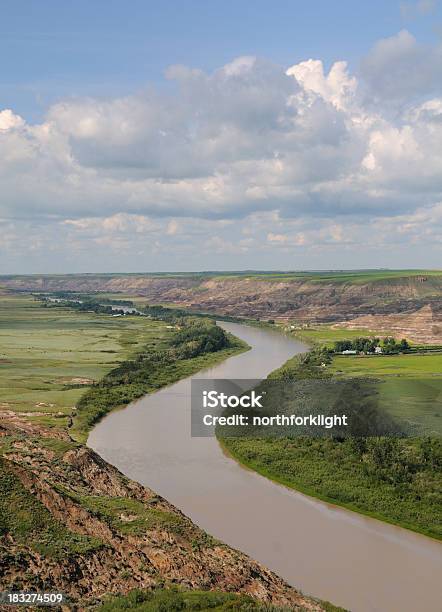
410,303
73,523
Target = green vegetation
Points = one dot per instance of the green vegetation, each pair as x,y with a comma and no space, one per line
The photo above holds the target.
404,366
387,346
409,386
49,356
325,335
173,599
25,518
398,480
55,358
199,344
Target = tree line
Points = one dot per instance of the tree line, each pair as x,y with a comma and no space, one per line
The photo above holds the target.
388,345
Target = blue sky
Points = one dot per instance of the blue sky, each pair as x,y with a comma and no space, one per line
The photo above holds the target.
146,136
52,49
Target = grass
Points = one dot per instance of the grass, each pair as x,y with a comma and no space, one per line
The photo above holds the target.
26,519
410,386
168,600
172,599
395,480
409,366
45,353
325,335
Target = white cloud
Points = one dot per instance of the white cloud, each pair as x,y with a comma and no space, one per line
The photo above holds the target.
399,68
271,237
172,228
301,153
337,87
9,120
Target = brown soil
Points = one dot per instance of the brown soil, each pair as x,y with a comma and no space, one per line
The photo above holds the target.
422,326
144,559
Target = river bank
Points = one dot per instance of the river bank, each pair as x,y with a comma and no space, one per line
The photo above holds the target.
83,528
396,480
326,550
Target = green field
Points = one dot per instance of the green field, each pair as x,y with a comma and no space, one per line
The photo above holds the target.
325,335
408,366
336,276
398,480
410,386
174,599
48,357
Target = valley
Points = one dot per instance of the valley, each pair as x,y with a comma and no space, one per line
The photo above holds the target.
65,364
408,301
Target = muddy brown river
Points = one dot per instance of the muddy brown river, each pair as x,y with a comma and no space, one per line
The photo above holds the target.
354,561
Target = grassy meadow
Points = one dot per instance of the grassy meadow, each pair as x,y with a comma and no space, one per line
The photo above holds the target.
409,385
49,356
325,335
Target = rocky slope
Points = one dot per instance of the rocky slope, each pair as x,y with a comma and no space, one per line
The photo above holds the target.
423,326
130,537
281,298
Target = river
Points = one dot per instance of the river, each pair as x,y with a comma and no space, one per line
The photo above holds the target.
351,560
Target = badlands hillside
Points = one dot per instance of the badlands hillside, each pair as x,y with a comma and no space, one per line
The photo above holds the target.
402,302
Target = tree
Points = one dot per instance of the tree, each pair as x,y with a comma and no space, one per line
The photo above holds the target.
403,345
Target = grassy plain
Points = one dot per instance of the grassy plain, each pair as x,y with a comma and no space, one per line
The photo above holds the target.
410,386
335,276
356,277
49,356
325,335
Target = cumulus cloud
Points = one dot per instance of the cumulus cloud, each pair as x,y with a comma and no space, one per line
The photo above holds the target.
398,68
303,149
337,87
9,120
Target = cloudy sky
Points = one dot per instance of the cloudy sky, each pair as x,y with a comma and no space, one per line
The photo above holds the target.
202,135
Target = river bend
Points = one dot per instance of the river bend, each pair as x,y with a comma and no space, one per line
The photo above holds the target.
354,561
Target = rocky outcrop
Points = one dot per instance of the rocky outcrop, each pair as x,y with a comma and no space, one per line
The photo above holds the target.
423,326
75,485
281,298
